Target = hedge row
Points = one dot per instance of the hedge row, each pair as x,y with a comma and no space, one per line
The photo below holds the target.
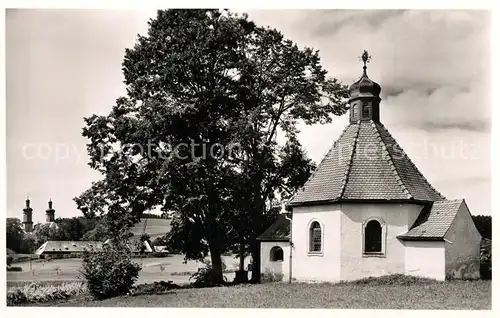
36,292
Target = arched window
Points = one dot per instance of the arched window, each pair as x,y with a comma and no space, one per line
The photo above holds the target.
276,254
315,237
355,111
373,243
365,111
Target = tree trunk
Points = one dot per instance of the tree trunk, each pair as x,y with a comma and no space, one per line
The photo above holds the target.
241,275
215,257
257,219
242,256
214,238
255,251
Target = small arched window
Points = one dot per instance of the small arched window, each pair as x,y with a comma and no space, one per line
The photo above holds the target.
373,237
356,111
276,254
365,111
315,237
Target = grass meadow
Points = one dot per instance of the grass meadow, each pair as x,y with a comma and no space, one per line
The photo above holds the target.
376,294
434,295
154,227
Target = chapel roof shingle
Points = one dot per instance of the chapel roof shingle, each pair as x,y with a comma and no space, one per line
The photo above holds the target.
434,221
365,163
278,231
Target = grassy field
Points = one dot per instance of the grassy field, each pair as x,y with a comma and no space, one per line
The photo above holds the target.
68,269
436,295
429,295
154,227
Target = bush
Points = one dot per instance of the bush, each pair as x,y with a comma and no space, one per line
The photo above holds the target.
154,288
268,276
109,272
36,292
174,250
485,265
23,259
14,269
15,297
205,276
158,254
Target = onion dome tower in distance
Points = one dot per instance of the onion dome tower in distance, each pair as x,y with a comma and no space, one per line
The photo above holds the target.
28,217
50,213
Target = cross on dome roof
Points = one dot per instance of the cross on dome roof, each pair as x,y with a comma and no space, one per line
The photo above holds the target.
364,86
365,57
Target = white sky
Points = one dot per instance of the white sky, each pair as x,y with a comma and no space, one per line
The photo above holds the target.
433,66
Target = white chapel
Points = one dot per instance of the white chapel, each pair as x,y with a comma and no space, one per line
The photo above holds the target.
368,211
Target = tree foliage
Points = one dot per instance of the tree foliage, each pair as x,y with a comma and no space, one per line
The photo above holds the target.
98,233
14,232
43,233
208,93
29,244
152,216
74,229
483,225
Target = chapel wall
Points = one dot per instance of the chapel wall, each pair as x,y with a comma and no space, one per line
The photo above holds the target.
316,267
463,242
425,259
398,218
278,269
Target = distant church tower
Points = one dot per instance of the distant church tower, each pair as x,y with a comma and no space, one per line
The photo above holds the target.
50,213
28,217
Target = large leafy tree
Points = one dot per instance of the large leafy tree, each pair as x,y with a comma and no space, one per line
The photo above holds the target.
288,170
280,86
179,88
70,229
207,93
44,233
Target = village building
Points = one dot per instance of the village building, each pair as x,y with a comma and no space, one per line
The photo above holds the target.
368,211
135,247
75,249
71,249
160,249
66,249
